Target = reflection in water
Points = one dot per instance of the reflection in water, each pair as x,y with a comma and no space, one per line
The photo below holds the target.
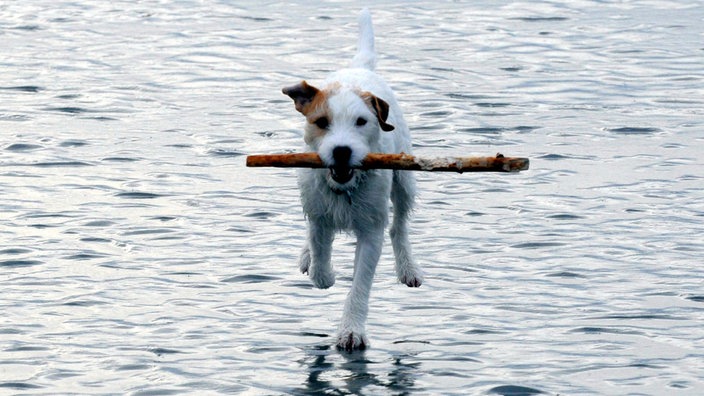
402,377
314,384
324,373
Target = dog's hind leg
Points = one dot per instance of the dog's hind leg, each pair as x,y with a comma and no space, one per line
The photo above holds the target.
403,197
315,257
354,317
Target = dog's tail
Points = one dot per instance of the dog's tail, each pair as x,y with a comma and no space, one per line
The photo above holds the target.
366,56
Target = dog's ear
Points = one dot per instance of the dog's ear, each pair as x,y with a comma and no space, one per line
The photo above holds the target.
302,95
382,112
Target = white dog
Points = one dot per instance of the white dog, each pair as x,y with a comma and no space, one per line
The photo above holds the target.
354,114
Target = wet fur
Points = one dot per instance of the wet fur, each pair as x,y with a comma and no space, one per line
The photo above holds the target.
359,205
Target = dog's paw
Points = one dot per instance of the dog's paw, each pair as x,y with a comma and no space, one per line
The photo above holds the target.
411,277
304,261
321,279
350,341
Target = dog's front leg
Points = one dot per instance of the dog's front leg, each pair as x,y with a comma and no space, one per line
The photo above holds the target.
352,334
315,258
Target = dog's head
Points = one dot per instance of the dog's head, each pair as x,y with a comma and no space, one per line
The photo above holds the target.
343,125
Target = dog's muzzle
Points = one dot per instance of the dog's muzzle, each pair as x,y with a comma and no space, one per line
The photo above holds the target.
341,172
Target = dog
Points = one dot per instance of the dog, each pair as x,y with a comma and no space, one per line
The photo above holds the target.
353,114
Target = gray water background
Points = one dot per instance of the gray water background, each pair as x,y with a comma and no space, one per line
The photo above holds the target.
139,256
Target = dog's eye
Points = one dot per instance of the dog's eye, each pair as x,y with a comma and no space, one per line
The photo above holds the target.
361,121
322,122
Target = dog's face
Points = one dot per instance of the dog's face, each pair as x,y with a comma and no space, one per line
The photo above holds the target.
343,126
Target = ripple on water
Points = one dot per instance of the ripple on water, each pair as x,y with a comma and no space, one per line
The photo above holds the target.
483,130
492,104
565,216
537,245
606,330
540,18
250,278
263,215
514,390
99,223
68,109
138,195
634,130
553,157
85,256
61,164
23,88
14,251
73,143
219,152
565,274
22,147
643,316
19,386
164,351
120,159
19,263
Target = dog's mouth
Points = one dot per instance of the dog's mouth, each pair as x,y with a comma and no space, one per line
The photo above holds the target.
341,174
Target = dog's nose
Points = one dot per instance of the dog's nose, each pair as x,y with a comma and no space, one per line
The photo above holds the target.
342,155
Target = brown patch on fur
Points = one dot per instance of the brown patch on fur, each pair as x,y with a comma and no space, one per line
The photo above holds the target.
317,108
302,95
380,108
320,100
313,104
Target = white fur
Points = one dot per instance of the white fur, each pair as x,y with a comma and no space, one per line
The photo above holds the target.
360,205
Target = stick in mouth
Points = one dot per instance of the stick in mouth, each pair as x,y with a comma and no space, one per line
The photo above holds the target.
498,163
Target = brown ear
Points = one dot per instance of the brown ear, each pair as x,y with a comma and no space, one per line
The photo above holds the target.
382,113
302,95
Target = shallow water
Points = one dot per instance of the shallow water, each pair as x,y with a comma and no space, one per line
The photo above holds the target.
138,255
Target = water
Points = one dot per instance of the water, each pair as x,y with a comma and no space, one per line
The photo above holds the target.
139,256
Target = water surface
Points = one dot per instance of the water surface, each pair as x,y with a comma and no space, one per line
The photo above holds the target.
139,256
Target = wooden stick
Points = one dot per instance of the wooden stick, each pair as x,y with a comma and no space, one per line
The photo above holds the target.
499,163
